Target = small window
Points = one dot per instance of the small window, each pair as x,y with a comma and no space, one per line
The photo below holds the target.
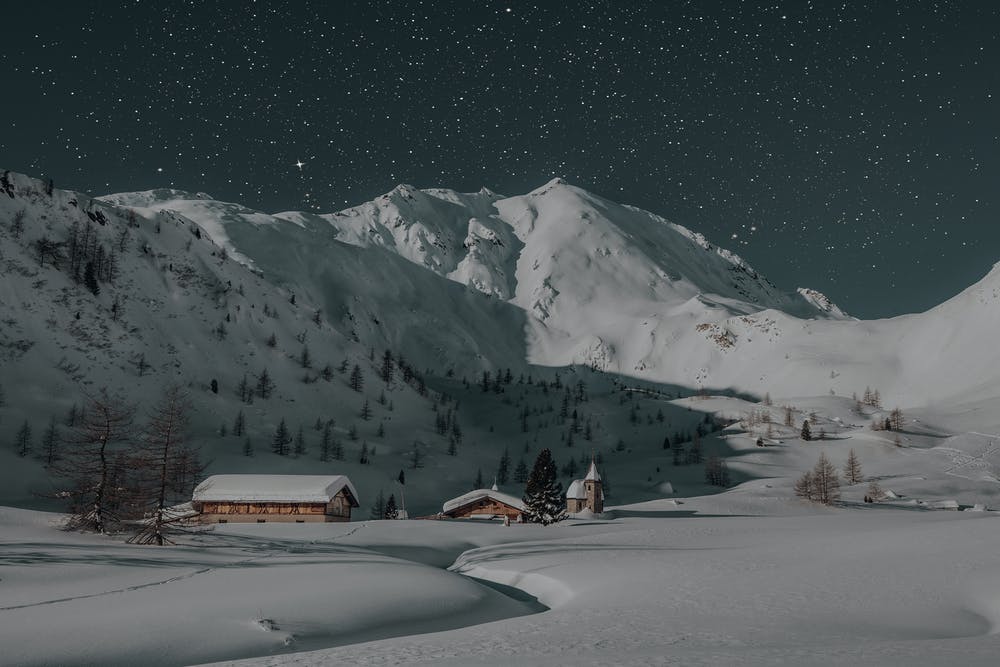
223,520
300,521
261,520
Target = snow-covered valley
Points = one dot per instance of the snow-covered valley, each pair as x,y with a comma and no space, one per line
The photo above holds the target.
556,320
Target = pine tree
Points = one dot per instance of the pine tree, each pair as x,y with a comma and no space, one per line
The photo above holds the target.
50,442
852,469
378,507
90,279
452,446
363,457
386,370
247,448
806,433
417,458
521,472
357,380
366,411
875,491
281,439
300,443
391,511
694,455
478,482
264,384
22,443
305,359
239,425
543,493
325,442
503,468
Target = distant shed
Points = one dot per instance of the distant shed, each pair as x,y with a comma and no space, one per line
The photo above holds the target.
484,504
274,498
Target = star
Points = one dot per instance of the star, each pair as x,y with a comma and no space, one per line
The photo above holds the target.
299,164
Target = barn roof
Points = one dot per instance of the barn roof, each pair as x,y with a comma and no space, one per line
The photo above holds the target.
274,488
473,496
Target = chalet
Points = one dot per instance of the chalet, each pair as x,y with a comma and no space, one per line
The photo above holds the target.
484,504
587,493
274,498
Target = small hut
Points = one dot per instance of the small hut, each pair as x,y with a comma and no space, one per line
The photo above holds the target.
274,498
484,504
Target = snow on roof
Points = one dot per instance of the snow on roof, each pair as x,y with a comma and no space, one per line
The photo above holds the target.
473,496
592,473
578,490
274,488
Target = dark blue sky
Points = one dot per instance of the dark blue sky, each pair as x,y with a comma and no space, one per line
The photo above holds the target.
852,147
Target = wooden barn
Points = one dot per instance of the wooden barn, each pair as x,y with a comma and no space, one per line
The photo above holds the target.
484,504
274,498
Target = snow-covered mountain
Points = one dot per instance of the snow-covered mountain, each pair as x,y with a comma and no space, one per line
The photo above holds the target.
572,278
554,281
591,282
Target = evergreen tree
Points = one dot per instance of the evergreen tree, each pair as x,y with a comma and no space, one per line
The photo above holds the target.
543,493
391,511
387,368
503,469
806,433
239,425
281,439
852,469
366,411
875,491
325,442
378,507
90,279
521,472
452,446
22,443
357,381
337,449
300,443
305,359
363,457
50,442
478,482
694,455
417,459
265,385
247,448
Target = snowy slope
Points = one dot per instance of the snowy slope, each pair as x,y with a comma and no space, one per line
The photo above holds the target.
575,279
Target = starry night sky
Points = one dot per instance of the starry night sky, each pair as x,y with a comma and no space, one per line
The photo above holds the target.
853,147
